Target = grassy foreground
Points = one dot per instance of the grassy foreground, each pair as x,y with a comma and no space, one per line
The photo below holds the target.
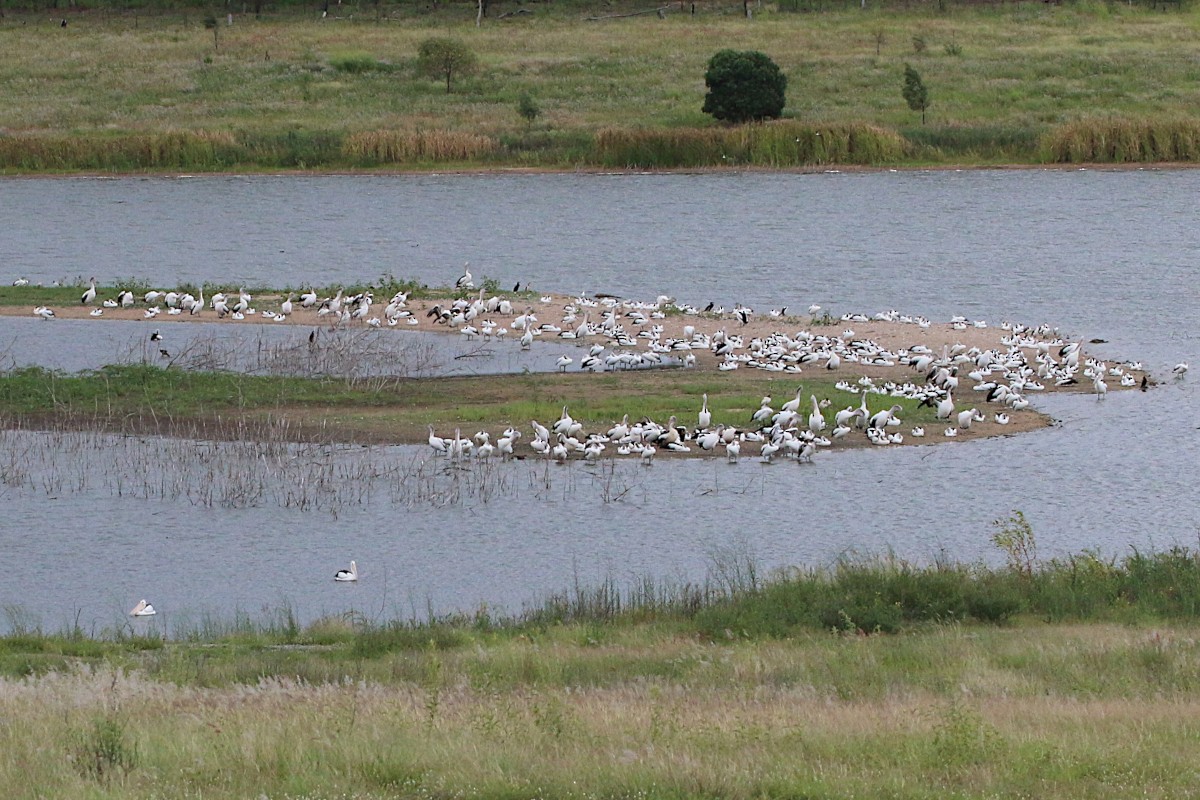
1088,690
1025,83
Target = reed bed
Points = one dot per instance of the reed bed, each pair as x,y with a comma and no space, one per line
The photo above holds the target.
167,150
776,144
415,147
1122,140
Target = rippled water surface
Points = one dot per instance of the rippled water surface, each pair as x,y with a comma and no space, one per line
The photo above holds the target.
1109,255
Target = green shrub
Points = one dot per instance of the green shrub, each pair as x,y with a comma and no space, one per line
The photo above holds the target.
744,86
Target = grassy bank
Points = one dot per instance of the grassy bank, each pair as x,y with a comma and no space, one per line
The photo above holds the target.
643,698
1020,83
393,410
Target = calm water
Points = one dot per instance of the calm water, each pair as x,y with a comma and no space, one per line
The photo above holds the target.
1103,254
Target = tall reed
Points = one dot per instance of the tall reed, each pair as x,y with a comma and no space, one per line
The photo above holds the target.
407,147
170,149
1123,140
776,144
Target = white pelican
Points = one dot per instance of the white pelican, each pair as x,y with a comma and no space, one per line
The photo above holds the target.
918,432
733,450
1180,368
563,362
1002,418
436,442
466,281
945,407
816,420
143,609
881,419
705,417
345,575
89,296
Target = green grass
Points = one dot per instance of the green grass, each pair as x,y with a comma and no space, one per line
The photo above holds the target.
397,410
643,700
148,90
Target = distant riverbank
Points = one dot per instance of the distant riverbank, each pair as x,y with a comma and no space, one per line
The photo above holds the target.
1034,85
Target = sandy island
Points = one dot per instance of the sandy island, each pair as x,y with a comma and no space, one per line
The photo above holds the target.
893,336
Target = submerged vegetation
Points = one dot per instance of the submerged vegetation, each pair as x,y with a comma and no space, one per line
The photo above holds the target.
1077,678
146,89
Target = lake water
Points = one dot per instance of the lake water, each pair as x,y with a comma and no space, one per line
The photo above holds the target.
91,526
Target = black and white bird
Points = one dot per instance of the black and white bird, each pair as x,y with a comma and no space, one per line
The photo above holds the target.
346,575
466,281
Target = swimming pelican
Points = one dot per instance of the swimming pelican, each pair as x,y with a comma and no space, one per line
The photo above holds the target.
346,575
436,442
143,609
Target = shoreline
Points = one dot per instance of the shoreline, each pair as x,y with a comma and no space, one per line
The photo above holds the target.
484,172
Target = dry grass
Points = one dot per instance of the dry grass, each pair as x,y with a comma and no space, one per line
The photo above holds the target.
708,720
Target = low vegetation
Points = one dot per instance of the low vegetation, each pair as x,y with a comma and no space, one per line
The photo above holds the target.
1081,682
156,89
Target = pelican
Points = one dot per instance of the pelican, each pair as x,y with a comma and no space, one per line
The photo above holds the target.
733,450
345,575
705,417
89,296
882,419
1180,368
466,281
143,609
793,404
436,442
918,432
1002,418
945,407
816,420
286,307
563,362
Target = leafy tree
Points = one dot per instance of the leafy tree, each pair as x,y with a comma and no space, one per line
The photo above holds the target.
443,57
528,108
914,91
744,85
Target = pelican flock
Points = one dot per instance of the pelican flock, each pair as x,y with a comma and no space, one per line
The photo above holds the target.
616,335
